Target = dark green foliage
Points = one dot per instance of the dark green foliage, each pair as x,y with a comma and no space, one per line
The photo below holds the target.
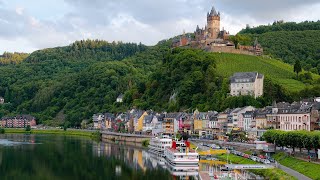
297,67
281,26
294,139
67,85
145,143
2,131
291,42
28,128
190,74
97,136
241,39
77,80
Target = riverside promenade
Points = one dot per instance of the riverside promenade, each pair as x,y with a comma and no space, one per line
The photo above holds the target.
126,137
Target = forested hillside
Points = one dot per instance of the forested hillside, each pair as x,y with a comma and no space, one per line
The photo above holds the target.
77,80
290,42
69,84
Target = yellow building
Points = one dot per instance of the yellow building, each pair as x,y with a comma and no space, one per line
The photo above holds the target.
139,125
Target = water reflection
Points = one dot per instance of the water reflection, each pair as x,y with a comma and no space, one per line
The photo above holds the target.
63,157
139,159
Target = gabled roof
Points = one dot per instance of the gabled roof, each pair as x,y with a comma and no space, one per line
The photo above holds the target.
148,119
120,96
248,76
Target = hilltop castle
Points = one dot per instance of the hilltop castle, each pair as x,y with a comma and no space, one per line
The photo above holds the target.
212,38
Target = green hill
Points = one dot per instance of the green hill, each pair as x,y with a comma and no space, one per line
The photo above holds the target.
290,42
69,84
279,72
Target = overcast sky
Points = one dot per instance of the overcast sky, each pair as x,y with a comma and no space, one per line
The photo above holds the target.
28,25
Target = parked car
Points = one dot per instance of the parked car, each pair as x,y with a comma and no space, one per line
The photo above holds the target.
246,156
262,156
265,161
259,159
254,154
254,158
271,159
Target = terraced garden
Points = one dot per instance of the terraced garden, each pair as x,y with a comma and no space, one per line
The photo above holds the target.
279,72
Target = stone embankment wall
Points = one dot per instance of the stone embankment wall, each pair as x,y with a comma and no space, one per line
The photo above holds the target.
226,49
124,137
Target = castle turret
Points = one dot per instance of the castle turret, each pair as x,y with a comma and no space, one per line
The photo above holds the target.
213,23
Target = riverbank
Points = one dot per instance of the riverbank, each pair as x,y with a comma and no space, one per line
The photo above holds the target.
267,173
308,169
69,132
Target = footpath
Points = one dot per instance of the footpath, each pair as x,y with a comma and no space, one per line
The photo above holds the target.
283,168
293,172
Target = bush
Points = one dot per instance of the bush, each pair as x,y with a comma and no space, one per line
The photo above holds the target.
96,135
28,128
145,143
2,131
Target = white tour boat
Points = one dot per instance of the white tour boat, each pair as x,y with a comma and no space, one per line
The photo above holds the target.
157,146
181,157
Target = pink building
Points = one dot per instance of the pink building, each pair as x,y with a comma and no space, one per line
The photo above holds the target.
295,121
20,121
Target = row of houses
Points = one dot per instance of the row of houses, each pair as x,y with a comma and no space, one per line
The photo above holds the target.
284,116
20,121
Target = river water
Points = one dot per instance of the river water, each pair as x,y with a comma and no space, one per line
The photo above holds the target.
66,157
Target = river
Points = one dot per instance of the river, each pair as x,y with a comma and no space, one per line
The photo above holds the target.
46,157
67,157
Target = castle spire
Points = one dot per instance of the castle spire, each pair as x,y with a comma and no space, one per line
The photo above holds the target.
213,12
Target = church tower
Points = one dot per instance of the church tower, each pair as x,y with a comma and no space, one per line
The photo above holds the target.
213,23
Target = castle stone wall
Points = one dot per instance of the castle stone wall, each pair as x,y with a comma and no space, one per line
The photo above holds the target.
229,49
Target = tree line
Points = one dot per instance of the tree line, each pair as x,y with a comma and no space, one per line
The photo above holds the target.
282,26
289,42
294,139
12,58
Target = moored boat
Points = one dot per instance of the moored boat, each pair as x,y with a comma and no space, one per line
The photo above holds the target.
180,156
157,145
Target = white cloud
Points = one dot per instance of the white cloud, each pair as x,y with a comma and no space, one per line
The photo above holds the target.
19,10
136,21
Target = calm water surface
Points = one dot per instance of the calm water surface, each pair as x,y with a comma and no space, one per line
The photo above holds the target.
66,157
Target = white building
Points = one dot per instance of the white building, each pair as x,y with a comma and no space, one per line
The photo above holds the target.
248,120
97,120
238,118
120,98
247,83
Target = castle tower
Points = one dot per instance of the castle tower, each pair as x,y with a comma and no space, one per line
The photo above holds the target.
213,23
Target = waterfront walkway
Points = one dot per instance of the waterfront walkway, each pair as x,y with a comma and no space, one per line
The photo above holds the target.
293,172
125,134
283,168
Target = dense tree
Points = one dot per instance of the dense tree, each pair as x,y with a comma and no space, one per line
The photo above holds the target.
294,139
69,84
290,42
297,67
12,58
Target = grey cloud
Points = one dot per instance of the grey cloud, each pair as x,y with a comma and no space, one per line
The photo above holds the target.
143,10
262,10
147,21
12,24
150,11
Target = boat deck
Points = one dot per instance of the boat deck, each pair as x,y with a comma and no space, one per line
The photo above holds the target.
176,151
